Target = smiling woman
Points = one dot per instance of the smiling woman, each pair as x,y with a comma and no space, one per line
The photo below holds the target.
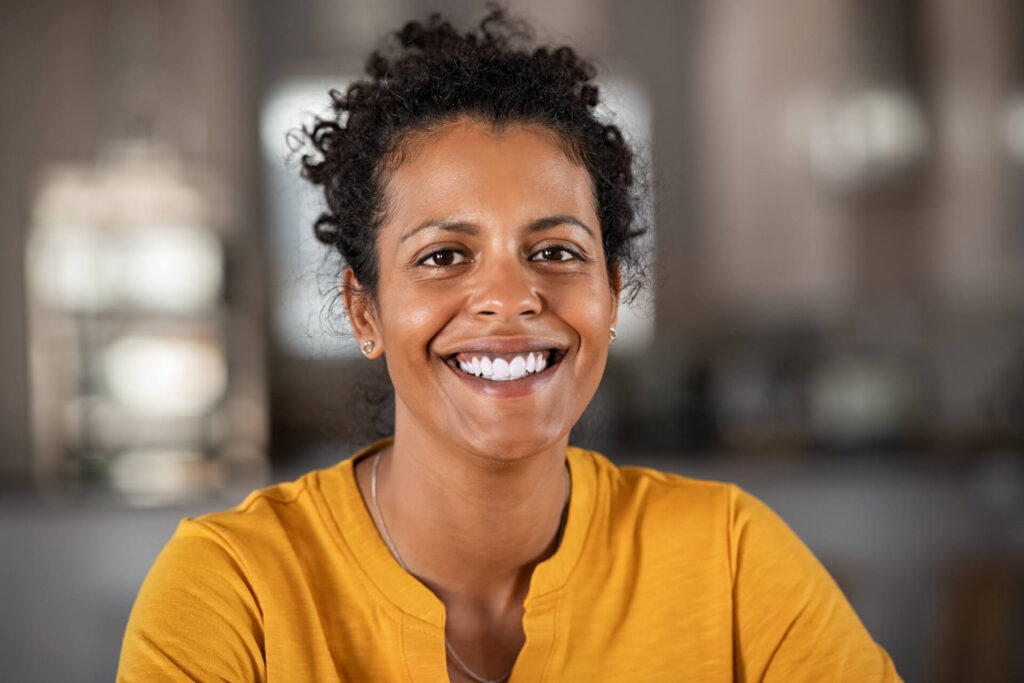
486,253
486,219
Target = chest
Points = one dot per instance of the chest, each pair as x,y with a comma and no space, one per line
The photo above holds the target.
616,627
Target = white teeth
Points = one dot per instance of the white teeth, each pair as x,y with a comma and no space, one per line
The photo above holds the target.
502,370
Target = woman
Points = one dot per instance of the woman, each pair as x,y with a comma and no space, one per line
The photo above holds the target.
485,217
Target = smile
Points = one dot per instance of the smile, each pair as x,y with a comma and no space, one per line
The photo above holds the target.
505,367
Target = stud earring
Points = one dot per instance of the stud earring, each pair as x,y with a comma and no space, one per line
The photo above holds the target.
367,347
611,334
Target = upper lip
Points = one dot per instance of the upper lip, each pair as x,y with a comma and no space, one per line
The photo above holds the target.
505,345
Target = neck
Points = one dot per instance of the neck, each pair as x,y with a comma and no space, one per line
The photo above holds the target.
472,526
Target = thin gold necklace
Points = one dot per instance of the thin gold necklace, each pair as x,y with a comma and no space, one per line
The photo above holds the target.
394,552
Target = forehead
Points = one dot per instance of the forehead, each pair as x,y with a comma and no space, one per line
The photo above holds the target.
470,167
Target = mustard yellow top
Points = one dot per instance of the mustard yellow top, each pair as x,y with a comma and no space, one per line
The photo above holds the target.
658,578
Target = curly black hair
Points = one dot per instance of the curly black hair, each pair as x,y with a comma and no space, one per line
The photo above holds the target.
433,74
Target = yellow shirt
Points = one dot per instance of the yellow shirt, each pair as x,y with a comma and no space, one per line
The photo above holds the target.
657,578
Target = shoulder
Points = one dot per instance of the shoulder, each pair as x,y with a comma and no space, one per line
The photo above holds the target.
202,608
716,547
719,518
243,540
630,484
271,505
312,505
683,520
676,498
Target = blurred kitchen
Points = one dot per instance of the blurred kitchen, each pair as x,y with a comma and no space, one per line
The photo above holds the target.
836,317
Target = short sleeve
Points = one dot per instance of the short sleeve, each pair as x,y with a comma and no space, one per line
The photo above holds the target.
791,621
196,616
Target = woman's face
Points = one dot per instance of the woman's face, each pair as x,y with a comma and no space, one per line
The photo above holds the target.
494,303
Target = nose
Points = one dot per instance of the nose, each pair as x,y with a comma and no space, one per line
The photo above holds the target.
506,290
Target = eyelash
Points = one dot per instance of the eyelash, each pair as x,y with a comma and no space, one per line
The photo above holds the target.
573,255
451,251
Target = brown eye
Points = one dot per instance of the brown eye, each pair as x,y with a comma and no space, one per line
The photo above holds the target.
554,254
442,258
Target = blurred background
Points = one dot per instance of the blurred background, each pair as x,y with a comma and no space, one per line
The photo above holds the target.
836,320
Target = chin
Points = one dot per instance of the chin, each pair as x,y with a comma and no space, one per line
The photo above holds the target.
515,445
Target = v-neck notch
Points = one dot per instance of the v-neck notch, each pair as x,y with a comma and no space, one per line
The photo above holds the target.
420,612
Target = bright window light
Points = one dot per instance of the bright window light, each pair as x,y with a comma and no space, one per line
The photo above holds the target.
123,236
1013,127
155,477
173,268
300,314
624,103
165,376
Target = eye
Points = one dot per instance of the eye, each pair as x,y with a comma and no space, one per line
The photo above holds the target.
555,254
442,258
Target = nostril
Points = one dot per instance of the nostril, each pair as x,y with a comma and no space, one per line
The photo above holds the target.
506,302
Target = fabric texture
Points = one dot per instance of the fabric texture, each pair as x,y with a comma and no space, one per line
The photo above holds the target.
658,578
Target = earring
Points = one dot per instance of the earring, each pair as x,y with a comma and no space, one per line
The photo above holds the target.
367,347
611,334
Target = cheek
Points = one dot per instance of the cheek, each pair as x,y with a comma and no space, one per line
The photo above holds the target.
588,306
418,318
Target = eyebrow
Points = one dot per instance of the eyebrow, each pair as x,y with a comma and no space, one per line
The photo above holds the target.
467,228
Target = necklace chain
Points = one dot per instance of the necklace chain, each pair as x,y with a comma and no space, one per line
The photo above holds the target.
394,551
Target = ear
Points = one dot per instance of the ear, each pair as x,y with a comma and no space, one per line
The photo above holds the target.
362,314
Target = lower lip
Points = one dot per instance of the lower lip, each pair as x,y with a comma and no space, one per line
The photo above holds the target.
514,388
